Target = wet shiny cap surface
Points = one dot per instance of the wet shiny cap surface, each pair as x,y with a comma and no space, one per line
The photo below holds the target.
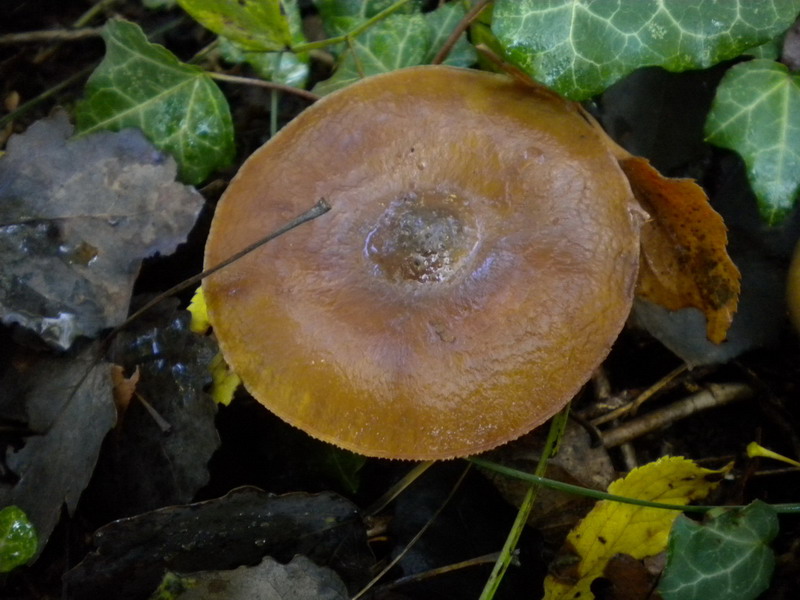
477,264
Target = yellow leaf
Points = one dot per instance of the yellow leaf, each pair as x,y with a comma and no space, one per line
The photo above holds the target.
612,527
223,381
199,312
754,449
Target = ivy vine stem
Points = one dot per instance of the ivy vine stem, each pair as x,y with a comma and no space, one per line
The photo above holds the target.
793,508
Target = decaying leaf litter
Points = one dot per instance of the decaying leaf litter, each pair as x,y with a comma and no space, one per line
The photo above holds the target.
161,343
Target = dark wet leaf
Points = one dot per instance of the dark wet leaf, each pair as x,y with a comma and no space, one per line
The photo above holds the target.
68,403
159,458
76,219
237,529
300,579
790,52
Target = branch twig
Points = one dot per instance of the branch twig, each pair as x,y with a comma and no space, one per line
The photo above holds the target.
715,394
452,40
272,85
50,35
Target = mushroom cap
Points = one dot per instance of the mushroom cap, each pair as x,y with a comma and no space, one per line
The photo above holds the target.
476,265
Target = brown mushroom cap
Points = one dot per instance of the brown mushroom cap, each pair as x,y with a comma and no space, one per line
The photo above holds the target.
477,264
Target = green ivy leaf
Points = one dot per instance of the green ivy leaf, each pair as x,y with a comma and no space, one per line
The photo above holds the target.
253,24
728,557
18,541
283,67
177,106
401,41
341,16
442,22
756,112
580,47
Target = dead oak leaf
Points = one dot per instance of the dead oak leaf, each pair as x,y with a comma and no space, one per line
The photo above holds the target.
77,216
684,260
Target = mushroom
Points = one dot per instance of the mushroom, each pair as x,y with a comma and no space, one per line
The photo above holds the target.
477,264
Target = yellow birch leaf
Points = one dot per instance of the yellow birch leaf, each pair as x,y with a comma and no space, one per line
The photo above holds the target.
614,528
197,308
223,381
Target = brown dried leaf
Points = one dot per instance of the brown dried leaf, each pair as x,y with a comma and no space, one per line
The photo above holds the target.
628,578
577,462
684,258
124,388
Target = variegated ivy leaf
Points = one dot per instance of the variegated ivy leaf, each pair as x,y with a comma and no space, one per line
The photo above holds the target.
580,47
177,106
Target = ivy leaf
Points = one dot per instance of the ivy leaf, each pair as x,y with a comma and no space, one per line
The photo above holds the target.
282,67
728,557
756,112
18,541
340,16
580,47
400,41
177,106
442,22
258,25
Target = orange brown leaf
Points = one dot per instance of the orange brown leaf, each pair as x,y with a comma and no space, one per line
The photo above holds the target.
124,389
684,260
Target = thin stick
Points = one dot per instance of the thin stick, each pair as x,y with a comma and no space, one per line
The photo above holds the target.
356,59
398,488
715,394
93,12
272,85
320,208
431,573
452,40
662,384
33,102
51,35
162,423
